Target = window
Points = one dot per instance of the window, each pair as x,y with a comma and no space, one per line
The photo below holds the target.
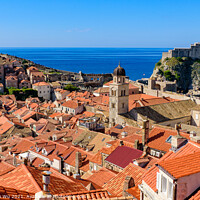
113,105
158,181
197,116
169,139
158,154
153,153
170,190
122,105
164,184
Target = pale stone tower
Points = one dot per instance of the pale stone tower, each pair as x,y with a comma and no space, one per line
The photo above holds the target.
119,94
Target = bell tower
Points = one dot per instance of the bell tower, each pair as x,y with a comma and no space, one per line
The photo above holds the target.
118,95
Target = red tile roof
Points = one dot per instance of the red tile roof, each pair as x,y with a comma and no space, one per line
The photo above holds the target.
29,179
87,195
130,130
71,104
150,175
158,137
5,167
195,195
182,166
102,176
139,100
41,84
5,127
115,185
11,193
123,155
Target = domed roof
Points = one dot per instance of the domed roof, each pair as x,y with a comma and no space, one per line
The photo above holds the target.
119,71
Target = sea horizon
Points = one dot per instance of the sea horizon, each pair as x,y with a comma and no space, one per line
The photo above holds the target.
138,62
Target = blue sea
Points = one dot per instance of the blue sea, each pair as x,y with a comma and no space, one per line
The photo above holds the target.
138,62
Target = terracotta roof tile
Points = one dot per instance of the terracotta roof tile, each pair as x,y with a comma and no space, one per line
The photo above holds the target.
29,179
115,185
182,166
102,176
87,195
158,137
11,193
5,167
195,195
71,104
150,175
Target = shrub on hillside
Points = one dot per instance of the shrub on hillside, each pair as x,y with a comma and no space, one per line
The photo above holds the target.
71,88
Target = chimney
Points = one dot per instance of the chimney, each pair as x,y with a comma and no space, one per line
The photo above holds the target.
178,127
136,145
128,183
193,134
45,194
177,141
121,143
78,164
194,137
61,165
68,173
46,181
14,161
64,124
124,134
145,132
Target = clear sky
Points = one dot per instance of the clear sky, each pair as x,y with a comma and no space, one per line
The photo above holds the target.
99,23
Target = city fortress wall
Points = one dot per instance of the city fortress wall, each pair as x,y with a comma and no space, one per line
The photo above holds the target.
192,52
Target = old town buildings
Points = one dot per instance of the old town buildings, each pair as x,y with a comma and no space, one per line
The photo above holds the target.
116,143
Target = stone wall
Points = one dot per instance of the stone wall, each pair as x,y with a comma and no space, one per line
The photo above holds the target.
193,52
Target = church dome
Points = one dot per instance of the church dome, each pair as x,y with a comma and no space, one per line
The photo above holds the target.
119,71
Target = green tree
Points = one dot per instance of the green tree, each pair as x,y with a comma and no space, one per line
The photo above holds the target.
22,94
168,75
24,61
71,88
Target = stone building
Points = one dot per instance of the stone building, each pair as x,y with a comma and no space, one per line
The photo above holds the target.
36,77
192,52
119,95
43,89
195,114
24,84
154,83
1,72
11,81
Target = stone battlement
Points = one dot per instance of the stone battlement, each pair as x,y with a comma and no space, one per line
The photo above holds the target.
192,52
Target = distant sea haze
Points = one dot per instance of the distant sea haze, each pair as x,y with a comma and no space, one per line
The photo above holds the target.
138,62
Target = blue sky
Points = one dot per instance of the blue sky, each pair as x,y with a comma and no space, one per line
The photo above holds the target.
99,23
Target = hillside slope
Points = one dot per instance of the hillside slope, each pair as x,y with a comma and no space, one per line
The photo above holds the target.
184,70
